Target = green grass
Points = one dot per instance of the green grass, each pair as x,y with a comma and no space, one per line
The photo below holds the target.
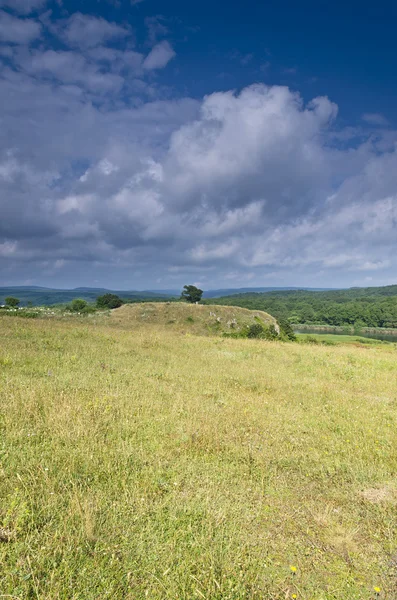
331,339
337,339
197,319
139,462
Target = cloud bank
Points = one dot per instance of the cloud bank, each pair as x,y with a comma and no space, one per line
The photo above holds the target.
107,179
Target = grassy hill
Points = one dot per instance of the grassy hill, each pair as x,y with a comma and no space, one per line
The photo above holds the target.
189,318
136,462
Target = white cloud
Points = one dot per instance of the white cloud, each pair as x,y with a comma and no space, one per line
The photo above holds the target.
237,185
18,31
23,7
86,31
159,56
375,119
70,67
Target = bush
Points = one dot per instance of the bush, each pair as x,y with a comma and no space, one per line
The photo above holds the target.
256,330
89,309
77,305
286,330
12,302
109,301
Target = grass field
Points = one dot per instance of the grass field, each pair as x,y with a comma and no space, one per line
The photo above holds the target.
139,462
330,338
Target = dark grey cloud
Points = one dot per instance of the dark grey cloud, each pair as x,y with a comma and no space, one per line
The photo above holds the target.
102,180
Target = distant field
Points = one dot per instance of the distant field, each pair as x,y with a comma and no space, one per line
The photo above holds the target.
137,461
329,338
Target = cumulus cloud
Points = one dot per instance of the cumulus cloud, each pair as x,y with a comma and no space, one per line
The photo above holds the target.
86,31
23,7
70,67
100,178
159,56
18,31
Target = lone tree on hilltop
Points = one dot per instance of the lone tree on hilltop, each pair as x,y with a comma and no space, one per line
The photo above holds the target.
12,302
109,301
191,294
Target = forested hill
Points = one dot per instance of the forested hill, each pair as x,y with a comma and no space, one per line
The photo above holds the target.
39,296
370,307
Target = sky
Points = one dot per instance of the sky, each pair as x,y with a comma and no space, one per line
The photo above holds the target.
148,144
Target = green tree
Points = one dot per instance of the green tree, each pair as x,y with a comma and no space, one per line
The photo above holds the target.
77,305
12,302
191,294
109,301
286,330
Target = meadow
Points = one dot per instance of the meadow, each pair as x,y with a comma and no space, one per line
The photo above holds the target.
141,461
330,339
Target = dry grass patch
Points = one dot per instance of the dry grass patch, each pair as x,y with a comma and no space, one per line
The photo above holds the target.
385,493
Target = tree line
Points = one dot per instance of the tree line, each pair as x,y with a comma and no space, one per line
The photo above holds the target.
334,308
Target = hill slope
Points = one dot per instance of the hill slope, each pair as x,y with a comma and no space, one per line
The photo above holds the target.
190,318
152,465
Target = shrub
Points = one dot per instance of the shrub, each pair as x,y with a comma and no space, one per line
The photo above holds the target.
12,302
77,305
256,330
89,309
109,301
286,330
271,333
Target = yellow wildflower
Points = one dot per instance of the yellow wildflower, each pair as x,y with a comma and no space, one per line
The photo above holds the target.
293,569
377,589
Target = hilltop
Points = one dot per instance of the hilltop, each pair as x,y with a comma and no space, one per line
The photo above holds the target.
196,319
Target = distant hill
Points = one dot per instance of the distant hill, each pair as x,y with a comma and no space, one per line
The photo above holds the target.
196,319
249,296
262,290
40,296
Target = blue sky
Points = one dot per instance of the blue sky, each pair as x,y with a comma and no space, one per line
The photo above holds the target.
148,144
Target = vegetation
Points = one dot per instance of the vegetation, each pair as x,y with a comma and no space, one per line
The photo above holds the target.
78,305
258,331
137,462
191,318
12,302
331,340
109,301
47,297
371,307
191,294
